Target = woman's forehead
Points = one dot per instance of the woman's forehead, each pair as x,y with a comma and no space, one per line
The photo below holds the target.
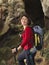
24,17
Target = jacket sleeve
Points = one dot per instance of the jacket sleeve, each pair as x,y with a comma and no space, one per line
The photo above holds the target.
26,38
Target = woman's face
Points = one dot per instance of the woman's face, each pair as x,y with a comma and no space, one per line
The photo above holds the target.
24,21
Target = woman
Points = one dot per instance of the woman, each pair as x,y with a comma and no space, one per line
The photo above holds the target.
27,40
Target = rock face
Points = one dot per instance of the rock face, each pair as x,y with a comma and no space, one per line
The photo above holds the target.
45,4
14,8
18,6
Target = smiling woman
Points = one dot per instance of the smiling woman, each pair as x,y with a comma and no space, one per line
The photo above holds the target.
27,40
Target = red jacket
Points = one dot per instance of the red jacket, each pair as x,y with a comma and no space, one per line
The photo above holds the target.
27,38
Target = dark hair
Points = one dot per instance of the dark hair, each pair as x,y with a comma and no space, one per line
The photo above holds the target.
24,14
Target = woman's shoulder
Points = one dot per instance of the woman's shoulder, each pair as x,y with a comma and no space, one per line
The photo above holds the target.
29,28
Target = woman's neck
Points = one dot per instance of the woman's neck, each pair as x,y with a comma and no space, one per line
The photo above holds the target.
25,27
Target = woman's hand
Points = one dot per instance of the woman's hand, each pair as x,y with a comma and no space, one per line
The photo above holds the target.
19,48
13,50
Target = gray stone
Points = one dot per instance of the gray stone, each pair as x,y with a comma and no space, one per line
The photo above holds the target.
45,4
